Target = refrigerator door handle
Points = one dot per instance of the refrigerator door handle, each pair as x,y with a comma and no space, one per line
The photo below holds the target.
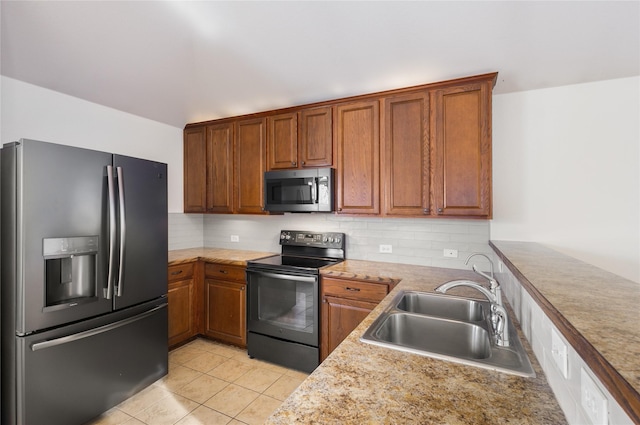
108,291
123,230
91,332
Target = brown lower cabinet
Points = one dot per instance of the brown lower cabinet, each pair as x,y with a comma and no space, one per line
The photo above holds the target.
182,303
225,303
207,299
345,303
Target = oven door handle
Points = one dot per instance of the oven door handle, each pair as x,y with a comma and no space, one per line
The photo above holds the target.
308,278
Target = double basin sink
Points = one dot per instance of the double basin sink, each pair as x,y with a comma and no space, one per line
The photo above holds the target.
448,328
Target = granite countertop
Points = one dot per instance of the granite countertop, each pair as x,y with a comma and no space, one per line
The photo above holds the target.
234,257
364,384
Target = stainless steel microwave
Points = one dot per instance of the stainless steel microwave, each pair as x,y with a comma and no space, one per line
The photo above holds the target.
309,190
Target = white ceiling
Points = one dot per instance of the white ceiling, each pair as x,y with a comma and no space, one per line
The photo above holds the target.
180,62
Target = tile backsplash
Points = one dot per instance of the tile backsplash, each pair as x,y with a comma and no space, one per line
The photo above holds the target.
420,241
185,231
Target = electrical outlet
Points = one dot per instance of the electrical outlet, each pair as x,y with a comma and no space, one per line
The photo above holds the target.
500,266
386,249
592,400
559,352
235,238
452,253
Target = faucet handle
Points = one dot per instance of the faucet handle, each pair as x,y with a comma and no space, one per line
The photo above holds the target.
482,255
483,274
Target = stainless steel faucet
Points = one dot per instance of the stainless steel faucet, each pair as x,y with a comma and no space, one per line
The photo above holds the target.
494,286
499,320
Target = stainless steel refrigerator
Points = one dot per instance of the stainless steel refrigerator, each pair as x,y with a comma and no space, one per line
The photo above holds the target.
83,281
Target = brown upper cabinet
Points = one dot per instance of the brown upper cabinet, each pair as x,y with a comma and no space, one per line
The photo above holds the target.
220,168
316,137
422,151
250,154
195,170
208,169
405,154
461,143
300,139
282,142
358,159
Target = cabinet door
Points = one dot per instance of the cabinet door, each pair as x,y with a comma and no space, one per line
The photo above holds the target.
180,298
195,170
340,317
462,150
316,137
220,168
250,157
405,154
282,148
225,311
358,145
345,303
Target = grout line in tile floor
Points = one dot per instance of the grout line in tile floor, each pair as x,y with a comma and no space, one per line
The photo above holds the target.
208,383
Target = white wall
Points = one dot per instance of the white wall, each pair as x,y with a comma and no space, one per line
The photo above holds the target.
32,112
566,173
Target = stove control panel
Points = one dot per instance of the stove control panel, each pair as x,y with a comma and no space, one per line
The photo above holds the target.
320,240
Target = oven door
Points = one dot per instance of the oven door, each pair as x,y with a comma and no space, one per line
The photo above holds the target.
283,305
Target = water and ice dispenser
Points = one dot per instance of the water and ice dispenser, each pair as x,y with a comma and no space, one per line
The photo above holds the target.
70,270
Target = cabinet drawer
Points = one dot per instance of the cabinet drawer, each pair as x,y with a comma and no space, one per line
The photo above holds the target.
180,272
354,289
224,272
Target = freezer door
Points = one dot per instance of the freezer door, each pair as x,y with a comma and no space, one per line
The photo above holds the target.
73,374
142,235
54,252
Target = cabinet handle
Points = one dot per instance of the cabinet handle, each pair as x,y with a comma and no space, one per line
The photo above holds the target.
242,289
293,163
426,211
303,163
224,271
176,273
439,210
353,289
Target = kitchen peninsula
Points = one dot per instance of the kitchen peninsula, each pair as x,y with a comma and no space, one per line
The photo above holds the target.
362,383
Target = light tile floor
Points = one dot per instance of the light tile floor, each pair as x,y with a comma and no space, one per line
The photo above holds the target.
208,383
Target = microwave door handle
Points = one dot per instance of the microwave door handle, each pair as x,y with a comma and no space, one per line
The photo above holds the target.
314,190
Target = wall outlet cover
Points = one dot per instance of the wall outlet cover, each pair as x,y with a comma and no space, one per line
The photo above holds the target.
452,253
559,353
386,249
235,238
592,400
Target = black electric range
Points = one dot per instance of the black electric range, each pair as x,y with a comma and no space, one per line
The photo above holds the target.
283,298
304,252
